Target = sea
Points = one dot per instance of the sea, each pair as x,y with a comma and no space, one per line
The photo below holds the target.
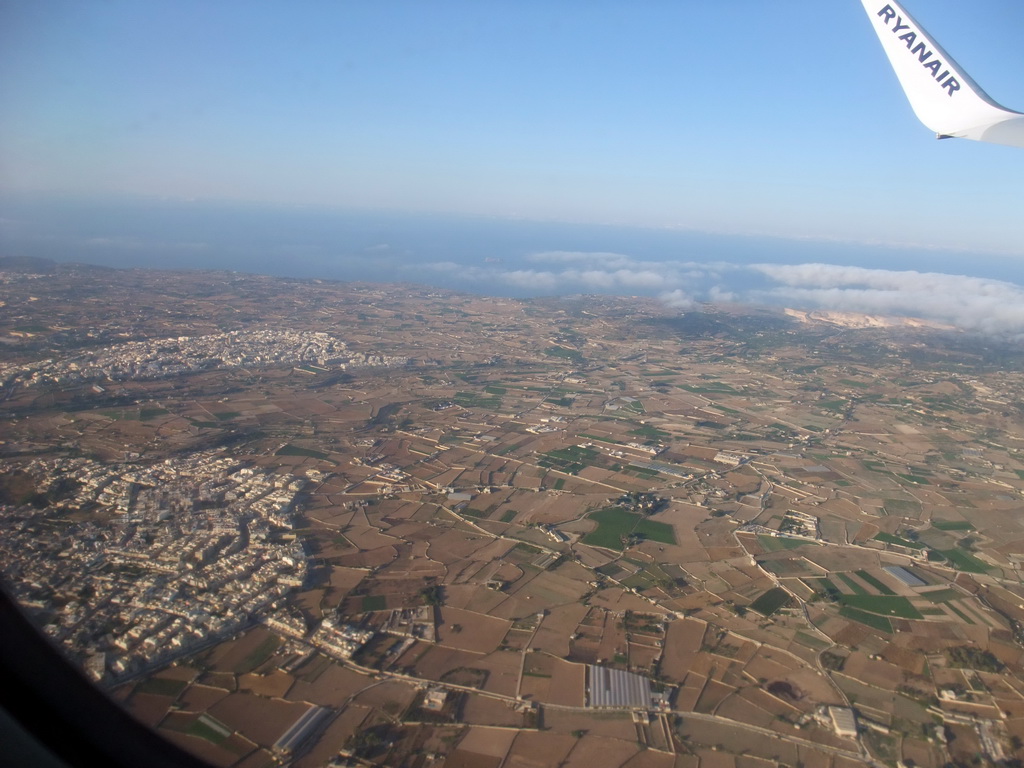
487,256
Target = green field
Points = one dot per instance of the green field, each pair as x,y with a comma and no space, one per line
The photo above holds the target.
770,601
960,613
942,595
375,603
775,543
889,538
651,433
856,586
475,400
263,652
885,605
294,450
568,354
613,524
205,727
569,460
952,525
901,507
963,561
878,622
656,531
869,579
711,387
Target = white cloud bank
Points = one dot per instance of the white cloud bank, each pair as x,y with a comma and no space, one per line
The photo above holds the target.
970,303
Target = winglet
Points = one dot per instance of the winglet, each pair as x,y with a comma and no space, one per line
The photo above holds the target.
942,95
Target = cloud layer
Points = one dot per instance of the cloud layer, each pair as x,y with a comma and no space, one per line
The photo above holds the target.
970,303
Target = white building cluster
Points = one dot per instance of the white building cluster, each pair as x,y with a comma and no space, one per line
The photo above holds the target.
156,358
140,563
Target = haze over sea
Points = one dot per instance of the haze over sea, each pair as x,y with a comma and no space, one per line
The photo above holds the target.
520,258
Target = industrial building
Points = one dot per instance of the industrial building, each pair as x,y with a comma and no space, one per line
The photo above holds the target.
617,688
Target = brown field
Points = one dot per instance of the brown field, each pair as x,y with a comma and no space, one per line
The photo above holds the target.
651,758
391,696
617,600
473,597
261,758
199,698
276,683
368,538
492,742
613,637
615,725
682,643
556,628
539,749
147,708
481,710
514,607
462,759
438,661
332,739
553,508
599,750
468,631
736,740
878,673
712,696
337,733
370,559
642,656
743,710
452,546
553,680
261,720
331,688
227,656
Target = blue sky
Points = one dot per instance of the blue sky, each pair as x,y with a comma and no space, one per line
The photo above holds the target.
744,116
765,146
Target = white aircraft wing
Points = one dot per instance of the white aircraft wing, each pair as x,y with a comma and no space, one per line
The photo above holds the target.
943,96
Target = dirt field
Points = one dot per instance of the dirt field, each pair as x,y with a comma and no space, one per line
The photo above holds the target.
539,749
682,643
276,684
614,725
391,696
331,688
460,758
261,720
147,708
603,751
493,742
199,698
333,738
481,710
553,681
557,627
736,740
649,758
503,667
229,656
470,631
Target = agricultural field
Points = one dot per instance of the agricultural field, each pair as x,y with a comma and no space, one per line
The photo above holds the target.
755,515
